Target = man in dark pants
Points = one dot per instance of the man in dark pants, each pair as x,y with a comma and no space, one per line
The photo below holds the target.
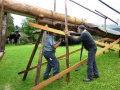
49,54
89,44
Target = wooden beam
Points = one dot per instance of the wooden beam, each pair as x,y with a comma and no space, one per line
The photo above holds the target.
103,45
66,40
59,57
46,28
44,83
16,7
107,47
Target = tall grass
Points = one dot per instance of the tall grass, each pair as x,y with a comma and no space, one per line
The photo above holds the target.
17,56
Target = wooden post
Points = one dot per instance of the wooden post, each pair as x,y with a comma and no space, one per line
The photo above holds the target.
1,22
4,30
40,59
32,55
67,46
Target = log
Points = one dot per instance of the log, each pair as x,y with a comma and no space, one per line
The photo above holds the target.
16,7
92,28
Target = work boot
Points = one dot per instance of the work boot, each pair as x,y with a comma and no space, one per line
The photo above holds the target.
87,80
46,77
96,76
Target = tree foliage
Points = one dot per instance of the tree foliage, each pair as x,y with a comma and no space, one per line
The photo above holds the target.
28,29
10,27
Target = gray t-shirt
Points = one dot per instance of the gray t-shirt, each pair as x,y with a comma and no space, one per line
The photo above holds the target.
49,42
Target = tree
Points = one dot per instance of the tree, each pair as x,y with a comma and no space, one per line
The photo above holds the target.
10,27
27,29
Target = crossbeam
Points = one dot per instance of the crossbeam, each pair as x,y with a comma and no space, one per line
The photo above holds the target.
103,45
46,28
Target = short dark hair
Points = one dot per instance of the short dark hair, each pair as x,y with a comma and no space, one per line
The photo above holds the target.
82,27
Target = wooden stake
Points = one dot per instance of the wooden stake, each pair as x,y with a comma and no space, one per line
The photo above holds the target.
40,59
2,6
33,54
4,31
67,46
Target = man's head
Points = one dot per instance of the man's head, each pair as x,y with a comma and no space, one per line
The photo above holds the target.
81,28
52,33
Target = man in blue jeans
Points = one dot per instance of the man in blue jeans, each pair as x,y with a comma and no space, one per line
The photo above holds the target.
49,54
89,44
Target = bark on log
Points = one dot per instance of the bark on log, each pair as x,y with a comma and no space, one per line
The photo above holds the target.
15,7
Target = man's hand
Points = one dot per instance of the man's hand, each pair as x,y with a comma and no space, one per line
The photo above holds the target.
67,33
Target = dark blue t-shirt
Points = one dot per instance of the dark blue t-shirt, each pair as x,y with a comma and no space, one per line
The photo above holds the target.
86,39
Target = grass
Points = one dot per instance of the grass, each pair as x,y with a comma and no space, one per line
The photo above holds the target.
17,56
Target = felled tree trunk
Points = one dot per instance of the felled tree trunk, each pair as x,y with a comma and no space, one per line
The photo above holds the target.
15,7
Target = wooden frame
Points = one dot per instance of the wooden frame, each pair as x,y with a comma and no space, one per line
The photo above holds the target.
45,83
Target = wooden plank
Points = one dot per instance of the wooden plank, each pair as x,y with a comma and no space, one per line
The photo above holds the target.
46,28
103,45
44,83
59,57
107,47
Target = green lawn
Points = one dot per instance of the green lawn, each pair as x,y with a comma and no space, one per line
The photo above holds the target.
17,56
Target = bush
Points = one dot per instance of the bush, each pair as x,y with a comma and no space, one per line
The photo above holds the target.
24,40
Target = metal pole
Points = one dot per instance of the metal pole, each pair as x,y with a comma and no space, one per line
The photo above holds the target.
54,5
87,8
107,17
109,6
105,25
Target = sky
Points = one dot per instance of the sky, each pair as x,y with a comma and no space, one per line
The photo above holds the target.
77,11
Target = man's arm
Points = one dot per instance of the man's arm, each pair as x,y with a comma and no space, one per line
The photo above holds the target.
76,40
57,44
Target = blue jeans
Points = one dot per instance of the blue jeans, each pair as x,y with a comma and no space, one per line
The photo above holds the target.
52,63
91,64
